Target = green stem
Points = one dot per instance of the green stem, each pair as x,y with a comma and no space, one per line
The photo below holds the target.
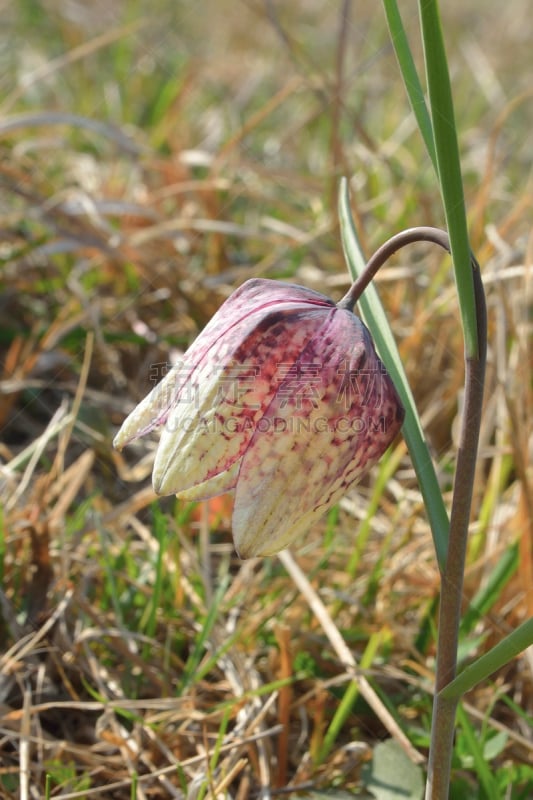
440,135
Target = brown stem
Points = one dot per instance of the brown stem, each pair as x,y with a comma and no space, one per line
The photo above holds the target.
422,233
443,724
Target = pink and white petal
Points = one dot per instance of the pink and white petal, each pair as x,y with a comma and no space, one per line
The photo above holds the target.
252,544
245,313
302,464
219,407
239,314
220,484
234,320
283,484
151,412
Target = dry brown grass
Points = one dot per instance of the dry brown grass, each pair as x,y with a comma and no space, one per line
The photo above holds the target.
136,650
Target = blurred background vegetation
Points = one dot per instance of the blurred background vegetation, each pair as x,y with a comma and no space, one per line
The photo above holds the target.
153,156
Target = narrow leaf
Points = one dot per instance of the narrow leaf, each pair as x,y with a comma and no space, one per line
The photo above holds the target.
415,92
486,665
375,318
449,166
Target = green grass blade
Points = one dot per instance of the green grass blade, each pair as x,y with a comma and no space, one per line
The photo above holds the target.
375,318
213,761
449,167
475,748
438,131
491,589
191,671
517,710
413,86
486,665
388,466
134,785
148,622
344,709
111,593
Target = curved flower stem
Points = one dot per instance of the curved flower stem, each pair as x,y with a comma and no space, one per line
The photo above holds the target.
422,233
445,707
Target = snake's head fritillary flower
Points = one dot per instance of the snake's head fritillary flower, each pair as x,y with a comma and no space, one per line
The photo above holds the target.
282,399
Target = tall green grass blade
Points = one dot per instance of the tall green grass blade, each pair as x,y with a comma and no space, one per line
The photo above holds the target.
415,92
475,749
491,590
346,704
517,710
148,621
501,654
449,167
210,662
213,761
375,318
111,593
498,479
190,672
134,785
220,738
388,466
438,131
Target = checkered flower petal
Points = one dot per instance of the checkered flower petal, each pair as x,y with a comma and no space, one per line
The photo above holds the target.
282,399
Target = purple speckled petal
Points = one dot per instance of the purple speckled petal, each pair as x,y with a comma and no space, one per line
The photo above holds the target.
230,383
224,333
318,441
255,296
281,398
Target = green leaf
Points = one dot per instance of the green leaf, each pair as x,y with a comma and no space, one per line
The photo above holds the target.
486,665
391,775
438,130
375,319
415,92
449,167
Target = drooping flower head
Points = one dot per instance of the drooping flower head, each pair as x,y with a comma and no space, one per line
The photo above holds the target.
283,399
